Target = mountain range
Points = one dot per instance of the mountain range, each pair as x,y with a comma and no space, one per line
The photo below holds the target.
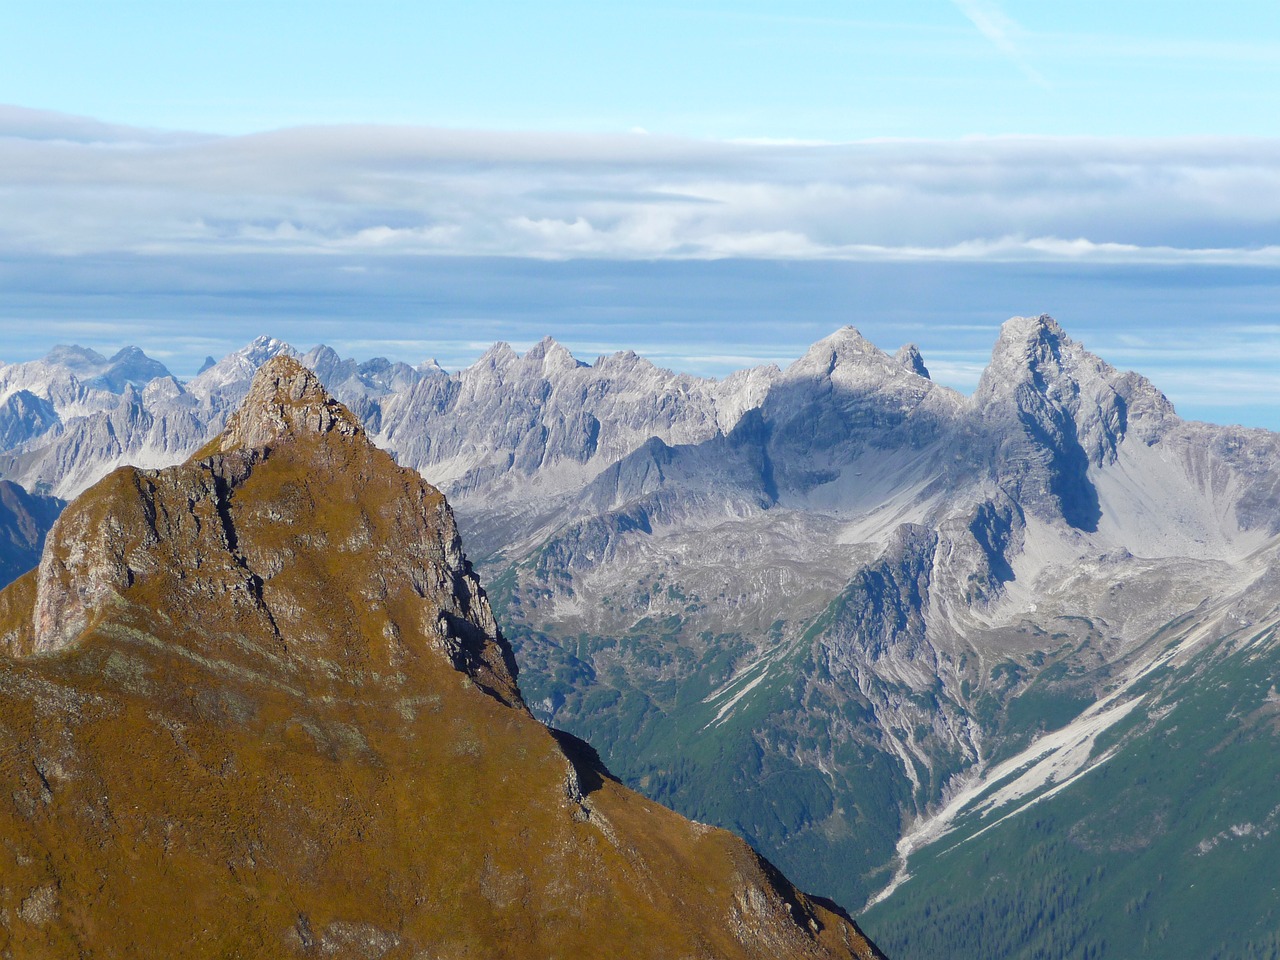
256,704
996,665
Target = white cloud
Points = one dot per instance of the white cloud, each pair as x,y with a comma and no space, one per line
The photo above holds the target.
994,24
24,123
377,191
962,374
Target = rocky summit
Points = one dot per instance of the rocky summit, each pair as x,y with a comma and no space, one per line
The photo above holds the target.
256,705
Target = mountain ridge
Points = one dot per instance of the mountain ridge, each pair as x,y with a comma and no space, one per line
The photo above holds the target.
289,691
769,599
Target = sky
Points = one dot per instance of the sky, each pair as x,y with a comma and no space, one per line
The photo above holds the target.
711,184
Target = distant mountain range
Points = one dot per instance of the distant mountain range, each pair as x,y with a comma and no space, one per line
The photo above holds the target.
958,656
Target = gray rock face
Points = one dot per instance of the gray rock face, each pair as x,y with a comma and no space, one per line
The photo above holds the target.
157,426
129,367
1051,411
544,417
24,416
910,357
69,417
548,418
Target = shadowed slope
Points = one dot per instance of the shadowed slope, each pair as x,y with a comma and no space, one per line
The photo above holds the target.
256,705
24,520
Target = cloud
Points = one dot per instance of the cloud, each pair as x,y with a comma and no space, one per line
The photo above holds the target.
362,193
994,24
24,123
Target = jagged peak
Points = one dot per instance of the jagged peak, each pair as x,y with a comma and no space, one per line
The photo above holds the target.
128,353
847,337
129,365
1028,348
548,352
844,351
1036,369
909,356
286,398
239,365
431,367
1040,329
498,355
97,372
621,360
163,388
546,345
265,347
254,353
848,344
321,352
325,362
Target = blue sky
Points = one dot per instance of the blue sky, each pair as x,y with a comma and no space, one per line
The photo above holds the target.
820,69
709,183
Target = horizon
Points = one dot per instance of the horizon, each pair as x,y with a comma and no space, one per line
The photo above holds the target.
712,185
961,378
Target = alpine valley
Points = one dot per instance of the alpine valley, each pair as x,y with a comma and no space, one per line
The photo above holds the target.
997,667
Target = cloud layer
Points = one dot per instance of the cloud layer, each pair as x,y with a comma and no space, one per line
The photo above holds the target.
73,186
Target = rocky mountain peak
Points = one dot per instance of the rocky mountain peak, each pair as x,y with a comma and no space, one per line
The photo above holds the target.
127,366
1035,352
1041,327
286,398
910,357
848,341
851,362
224,380
322,358
1054,411
497,357
292,531
623,362
264,347
551,355
1033,357
431,367
75,357
163,389
846,347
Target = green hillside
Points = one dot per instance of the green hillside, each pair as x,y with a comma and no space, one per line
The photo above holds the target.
1169,849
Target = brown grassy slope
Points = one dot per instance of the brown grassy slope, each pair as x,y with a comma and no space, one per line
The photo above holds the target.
256,706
